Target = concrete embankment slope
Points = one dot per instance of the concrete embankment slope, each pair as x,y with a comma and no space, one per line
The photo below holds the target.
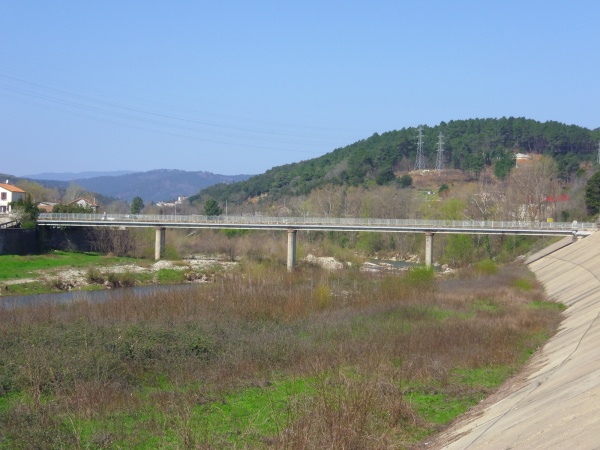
555,403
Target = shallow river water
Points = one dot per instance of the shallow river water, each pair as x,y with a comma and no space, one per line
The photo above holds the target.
90,296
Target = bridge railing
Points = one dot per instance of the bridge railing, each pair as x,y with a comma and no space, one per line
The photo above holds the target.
338,221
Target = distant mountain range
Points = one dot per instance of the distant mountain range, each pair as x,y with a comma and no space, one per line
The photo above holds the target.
151,186
69,176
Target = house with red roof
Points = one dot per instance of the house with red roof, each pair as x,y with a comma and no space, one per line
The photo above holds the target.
9,193
86,203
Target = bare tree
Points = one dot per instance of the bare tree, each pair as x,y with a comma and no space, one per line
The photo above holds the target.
528,187
73,192
111,240
38,192
486,203
327,201
387,202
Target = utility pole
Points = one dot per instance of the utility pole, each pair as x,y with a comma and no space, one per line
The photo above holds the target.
439,164
420,162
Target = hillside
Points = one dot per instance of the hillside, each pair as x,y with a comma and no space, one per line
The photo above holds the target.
69,176
151,186
469,146
156,185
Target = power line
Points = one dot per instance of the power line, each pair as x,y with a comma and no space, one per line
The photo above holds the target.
52,93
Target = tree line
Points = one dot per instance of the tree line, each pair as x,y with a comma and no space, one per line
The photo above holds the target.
469,145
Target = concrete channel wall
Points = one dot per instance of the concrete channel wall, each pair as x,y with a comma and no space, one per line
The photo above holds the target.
555,402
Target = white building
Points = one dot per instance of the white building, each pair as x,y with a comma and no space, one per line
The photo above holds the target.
8,194
86,203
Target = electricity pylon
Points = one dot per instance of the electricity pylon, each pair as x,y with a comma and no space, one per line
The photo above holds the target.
439,163
420,162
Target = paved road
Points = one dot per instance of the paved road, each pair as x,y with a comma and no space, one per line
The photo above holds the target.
555,403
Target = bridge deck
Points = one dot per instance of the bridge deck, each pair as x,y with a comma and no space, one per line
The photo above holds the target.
319,223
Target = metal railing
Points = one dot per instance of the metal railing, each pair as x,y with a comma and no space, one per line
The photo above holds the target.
9,224
307,222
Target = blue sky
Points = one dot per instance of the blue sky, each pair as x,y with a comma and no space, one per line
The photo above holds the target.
237,87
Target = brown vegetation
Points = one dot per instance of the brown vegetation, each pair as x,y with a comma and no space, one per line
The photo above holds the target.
366,342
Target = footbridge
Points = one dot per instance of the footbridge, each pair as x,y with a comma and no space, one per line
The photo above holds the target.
294,224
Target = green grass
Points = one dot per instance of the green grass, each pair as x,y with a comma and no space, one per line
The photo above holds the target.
486,266
21,267
438,313
541,304
439,408
420,277
523,284
239,418
487,377
441,404
265,356
259,410
32,288
485,305
170,276
32,267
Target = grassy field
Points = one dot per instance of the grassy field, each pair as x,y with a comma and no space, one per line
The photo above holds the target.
48,273
265,359
14,267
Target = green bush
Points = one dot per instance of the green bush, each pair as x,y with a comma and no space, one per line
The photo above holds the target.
94,276
486,267
127,279
112,279
170,276
369,242
405,180
420,277
459,249
523,284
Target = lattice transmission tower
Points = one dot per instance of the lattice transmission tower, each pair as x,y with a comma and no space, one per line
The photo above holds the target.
439,163
599,153
420,162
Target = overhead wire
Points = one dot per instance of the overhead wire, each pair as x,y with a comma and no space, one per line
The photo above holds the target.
58,94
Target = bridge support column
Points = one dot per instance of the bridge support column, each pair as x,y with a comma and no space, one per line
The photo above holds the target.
291,253
428,249
159,243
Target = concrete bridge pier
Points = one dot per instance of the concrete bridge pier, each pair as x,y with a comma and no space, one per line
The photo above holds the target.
159,243
429,249
291,253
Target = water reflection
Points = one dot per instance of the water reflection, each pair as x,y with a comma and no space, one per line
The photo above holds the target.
99,296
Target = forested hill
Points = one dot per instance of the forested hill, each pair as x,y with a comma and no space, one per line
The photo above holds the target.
469,145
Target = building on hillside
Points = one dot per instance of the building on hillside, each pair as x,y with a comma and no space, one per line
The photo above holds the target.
46,207
86,203
8,194
526,158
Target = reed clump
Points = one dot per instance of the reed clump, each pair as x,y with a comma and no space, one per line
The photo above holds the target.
161,369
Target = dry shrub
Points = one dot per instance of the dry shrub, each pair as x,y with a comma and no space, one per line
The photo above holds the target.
92,399
361,336
117,241
253,246
36,426
348,410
